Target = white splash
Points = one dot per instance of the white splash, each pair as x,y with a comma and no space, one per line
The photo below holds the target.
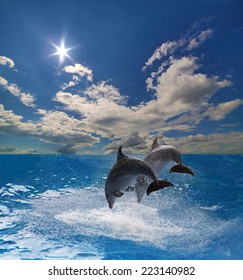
12,189
67,223
129,221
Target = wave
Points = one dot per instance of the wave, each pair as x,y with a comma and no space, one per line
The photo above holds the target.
164,221
73,223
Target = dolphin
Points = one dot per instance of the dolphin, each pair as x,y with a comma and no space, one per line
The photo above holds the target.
125,172
161,155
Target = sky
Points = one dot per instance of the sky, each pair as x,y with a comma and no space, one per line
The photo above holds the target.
88,76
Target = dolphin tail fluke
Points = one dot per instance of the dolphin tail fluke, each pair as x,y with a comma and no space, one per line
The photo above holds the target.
158,185
181,168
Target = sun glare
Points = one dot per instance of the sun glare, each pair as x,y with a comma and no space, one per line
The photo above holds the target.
62,51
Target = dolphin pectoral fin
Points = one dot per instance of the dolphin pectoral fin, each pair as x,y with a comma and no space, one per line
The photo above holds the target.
141,187
158,185
181,168
118,194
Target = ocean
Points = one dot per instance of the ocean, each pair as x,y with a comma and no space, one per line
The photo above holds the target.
54,207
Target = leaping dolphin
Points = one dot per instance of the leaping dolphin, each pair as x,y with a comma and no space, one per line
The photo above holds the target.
161,155
125,172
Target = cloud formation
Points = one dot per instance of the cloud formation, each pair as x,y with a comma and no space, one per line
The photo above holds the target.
101,108
6,61
7,150
28,151
221,143
200,39
182,100
164,50
26,98
220,111
67,149
132,144
79,70
188,41
53,127
182,96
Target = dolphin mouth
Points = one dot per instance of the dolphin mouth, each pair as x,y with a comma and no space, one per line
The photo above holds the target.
181,168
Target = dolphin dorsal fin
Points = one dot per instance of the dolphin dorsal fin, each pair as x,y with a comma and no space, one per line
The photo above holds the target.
120,153
155,144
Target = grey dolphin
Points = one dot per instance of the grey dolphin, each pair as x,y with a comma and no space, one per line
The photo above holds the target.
161,155
125,172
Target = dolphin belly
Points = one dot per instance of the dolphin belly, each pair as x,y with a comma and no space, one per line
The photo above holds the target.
121,183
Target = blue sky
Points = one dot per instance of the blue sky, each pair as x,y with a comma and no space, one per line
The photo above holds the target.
132,70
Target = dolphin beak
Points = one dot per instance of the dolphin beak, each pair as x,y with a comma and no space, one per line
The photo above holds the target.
110,205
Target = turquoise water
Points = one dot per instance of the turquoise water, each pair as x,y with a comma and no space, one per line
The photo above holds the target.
54,207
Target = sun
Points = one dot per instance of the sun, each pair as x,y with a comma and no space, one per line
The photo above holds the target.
62,51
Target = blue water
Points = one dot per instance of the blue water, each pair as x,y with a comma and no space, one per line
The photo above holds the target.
53,207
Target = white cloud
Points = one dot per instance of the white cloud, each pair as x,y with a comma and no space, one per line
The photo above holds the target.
188,41
102,108
132,144
68,85
204,35
215,143
53,127
28,151
182,99
6,61
221,110
222,143
3,82
230,124
26,98
164,50
8,118
200,39
177,83
58,127
193,44
104,91
181,94
80,70
183,90
193,39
